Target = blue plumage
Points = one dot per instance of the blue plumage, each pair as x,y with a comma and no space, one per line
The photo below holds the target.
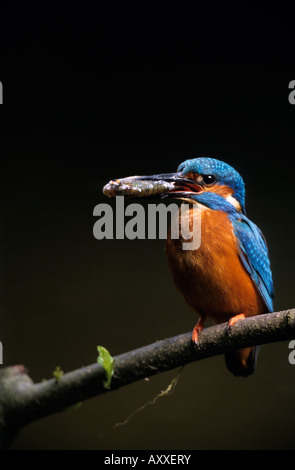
254,255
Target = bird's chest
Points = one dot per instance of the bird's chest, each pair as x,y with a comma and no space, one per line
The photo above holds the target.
205,274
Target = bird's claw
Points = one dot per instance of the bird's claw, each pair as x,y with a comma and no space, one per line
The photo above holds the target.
196,341
196,331
235,319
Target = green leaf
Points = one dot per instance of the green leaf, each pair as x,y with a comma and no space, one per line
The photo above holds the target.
58,373
107,362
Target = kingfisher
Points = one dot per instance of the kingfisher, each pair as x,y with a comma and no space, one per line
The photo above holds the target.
228,277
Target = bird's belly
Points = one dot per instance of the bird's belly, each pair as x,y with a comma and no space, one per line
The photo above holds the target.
212,278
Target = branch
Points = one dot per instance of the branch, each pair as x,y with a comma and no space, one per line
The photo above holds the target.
22,401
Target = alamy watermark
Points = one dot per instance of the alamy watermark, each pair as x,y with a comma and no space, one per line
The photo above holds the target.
291,96
185,222
1,353
1,93
291,356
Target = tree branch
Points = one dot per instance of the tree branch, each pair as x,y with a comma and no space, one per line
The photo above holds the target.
22,401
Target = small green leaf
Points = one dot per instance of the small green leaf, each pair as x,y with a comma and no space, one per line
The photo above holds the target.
107,362
58,373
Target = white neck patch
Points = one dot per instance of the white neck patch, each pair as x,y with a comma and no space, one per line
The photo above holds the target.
232,200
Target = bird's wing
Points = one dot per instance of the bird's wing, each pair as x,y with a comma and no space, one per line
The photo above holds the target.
254,256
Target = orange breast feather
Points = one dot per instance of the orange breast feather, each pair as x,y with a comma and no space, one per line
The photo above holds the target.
212,278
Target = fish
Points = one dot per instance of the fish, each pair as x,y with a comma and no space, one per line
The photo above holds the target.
136,186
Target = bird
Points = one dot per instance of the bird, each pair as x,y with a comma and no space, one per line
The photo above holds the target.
228,277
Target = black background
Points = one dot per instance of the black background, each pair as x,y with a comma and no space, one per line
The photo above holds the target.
95,92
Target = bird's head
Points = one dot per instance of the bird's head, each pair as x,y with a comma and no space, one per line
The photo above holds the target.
205,180
215,176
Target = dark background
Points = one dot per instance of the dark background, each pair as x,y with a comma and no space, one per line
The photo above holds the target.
94,93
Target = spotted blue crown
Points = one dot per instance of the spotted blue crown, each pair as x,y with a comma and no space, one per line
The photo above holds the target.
224,174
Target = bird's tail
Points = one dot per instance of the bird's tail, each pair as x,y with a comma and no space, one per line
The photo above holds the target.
242,362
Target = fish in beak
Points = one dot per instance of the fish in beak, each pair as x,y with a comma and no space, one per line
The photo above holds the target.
162,185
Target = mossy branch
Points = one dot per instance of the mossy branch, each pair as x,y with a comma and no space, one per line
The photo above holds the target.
23,401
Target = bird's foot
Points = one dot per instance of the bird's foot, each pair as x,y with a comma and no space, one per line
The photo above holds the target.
233,320
199,326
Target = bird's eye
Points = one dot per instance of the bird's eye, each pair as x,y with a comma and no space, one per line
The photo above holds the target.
209,179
